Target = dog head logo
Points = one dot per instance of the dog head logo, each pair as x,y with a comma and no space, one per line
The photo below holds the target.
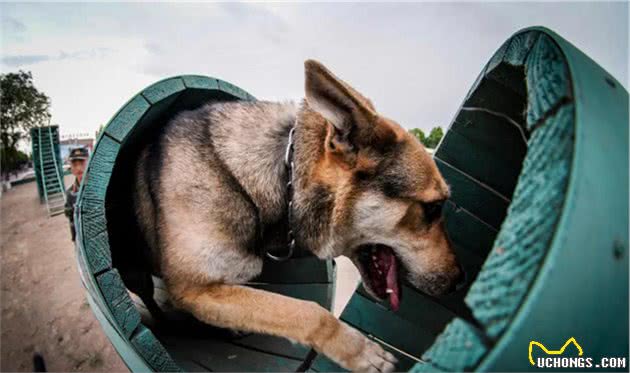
567,344
387,192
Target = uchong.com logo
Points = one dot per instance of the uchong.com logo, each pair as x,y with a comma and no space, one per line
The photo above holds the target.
555,358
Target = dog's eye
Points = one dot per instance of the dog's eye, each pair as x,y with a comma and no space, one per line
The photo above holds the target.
432,210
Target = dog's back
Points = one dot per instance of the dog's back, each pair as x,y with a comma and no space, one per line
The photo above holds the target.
233,151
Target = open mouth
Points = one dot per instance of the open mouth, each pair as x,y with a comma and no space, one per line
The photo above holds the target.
380,269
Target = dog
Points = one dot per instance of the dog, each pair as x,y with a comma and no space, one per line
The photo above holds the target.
212,187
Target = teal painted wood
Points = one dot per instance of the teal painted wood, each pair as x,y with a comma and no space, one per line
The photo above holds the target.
132,359
200,82
529,226
458,348
582,288
127,117
164,89
153,352
219,355
561,226
470,196
306,270
92,197
460,226
119,302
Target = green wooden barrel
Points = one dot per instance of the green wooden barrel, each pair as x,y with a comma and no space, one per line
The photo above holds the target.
189,345
537,159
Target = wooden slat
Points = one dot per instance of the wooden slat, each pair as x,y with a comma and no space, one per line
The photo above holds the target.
200,82
100,169
94,222
118,301
125,120
468,234
273,345
220,355
470,195
153,352
500,93
234,90
163,89
498,147
298,270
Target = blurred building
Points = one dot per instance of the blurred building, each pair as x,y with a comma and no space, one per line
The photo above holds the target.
75,140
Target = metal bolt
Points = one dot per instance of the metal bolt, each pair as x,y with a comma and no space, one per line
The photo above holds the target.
610,82
618,249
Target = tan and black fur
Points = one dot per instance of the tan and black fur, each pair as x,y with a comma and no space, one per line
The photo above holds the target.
213,184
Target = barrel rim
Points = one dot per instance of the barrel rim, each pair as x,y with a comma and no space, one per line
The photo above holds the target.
88,203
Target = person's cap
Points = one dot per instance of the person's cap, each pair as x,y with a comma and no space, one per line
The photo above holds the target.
79,153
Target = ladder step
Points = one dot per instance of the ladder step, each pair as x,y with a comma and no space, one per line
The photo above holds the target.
55,213
57,206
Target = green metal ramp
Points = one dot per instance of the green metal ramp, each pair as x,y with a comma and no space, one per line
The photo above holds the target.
48,167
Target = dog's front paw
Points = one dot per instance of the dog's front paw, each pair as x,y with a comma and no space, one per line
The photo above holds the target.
372,359
354,351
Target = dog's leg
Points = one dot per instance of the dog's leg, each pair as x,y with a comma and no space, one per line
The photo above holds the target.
253,310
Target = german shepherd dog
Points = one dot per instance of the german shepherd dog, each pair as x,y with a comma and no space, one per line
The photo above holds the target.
363,187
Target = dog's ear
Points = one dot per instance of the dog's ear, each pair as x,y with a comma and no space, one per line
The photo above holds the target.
355,123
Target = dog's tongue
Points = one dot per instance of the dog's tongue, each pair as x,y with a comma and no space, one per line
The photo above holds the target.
392,279
392,284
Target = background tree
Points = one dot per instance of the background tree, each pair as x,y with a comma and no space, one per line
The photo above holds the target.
430,141
22,107
419,134
434,137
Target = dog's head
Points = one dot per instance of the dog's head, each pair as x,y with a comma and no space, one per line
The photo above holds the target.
388,193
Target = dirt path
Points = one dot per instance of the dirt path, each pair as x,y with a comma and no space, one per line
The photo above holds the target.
43,302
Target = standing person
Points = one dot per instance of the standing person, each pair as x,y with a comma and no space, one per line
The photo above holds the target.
78,159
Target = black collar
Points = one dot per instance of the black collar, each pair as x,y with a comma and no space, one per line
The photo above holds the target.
288,163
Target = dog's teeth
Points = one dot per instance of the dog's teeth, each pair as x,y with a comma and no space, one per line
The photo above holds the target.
374,258
380,272
376,265
389,291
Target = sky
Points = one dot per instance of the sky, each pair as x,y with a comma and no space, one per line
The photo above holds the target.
416,61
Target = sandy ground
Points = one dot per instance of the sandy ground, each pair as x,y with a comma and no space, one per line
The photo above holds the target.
43,302
44,309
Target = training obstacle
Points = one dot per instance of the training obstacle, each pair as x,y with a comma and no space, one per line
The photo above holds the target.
48,167
537,159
